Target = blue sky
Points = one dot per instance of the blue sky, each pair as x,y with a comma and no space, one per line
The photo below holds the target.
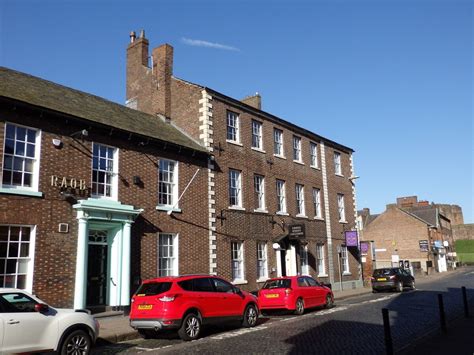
391,79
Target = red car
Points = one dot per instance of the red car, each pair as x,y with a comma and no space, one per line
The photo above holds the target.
294,293
188,302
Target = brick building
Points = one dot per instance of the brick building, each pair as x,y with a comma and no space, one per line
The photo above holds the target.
410,230
279,197
86,192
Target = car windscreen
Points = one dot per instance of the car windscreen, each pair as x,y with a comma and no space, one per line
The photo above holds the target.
279,283
153,288
383,272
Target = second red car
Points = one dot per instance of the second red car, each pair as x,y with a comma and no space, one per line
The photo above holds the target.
294,293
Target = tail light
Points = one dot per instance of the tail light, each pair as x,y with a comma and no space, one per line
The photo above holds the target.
288,291
133,299
168,298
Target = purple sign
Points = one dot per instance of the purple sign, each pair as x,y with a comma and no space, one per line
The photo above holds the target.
364,248
351,238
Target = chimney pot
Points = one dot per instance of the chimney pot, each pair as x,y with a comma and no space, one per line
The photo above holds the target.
132,36
142,34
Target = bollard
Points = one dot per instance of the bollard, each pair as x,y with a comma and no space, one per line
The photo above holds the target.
442,317
464,299
388,334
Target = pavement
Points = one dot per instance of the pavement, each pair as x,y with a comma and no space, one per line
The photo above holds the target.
459,338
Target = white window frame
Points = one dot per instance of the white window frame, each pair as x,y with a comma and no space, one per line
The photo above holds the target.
299,196
262,261
233,127
259,188
36,159
345,260
278,143
317,202
171,184
28,269
337,163
304,260
237,266
113,174
281,196
320,261
171,261
341,208
257,141
235,188
297,149
313,151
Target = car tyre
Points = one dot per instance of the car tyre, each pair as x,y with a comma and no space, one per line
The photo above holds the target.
190,328
375,290
329,301
299,308
76,342
250,316
399,286
413,286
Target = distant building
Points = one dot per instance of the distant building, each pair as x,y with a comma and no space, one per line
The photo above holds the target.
410,230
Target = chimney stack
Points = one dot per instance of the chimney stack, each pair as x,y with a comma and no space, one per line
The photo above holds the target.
162,66
254,101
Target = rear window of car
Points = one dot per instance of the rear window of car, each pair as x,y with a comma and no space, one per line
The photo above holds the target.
383,272
153,288
280,283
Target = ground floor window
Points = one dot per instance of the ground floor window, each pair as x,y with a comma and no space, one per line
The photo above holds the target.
262,270
304,260
344,260
237,261
167,254
16,250
320,259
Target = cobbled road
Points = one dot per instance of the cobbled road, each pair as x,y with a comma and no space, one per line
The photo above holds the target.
353,326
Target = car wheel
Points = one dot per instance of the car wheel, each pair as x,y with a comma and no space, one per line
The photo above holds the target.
399,286
191,327
147,333
250,316
375,290
329,301
77,342
413,286
299,309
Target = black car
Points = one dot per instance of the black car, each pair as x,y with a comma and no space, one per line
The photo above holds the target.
393,278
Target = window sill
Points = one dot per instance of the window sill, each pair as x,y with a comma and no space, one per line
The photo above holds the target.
315,167
298,162
168,208
237,208
301,216
4,190
318,218
323,275
342,221
258,150
260,211
279,156
240,282
340,175
280,213
346,274
263,280
234,143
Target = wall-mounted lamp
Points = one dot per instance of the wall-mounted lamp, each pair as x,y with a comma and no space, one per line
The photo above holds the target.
83,133
137,180
353,177
57,143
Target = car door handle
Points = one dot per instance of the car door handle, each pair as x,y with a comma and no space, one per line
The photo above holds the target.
13,321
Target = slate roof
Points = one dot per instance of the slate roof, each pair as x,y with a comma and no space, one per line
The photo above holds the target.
61,99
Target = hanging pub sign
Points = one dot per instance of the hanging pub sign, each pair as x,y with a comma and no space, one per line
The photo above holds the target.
296,231
352,239
424,246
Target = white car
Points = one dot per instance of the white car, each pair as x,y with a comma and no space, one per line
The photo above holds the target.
27,324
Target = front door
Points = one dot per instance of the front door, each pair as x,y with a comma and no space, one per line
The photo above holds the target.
97,276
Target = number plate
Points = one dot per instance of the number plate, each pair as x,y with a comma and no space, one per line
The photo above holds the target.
272,295
144,307
381,279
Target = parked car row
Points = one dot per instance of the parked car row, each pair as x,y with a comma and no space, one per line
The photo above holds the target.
185,303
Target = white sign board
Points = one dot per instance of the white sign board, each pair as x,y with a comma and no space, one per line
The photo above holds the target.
395,258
